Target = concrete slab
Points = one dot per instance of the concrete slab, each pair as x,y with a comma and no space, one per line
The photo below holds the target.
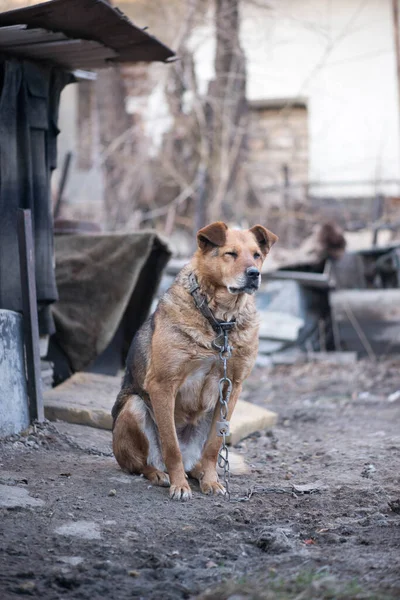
17,497
249,418
14,412
87,399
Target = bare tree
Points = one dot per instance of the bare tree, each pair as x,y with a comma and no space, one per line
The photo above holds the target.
115,122
203,154
198,174
227,114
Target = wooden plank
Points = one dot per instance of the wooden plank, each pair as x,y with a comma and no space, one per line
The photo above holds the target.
281,326
368,305
367,321
91,19
66,48
29,304
19,35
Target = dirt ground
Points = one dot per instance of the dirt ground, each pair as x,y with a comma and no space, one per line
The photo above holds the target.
72,525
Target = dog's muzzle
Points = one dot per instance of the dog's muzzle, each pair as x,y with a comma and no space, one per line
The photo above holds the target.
252,279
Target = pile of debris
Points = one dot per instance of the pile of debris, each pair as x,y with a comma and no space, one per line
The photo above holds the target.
326,296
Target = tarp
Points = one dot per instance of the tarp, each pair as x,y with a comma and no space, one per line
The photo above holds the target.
101,280
29,99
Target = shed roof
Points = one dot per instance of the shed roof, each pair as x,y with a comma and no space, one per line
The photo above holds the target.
77,34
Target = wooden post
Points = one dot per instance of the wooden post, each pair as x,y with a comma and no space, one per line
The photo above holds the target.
200,202
287,206
377,212
63,181
29,307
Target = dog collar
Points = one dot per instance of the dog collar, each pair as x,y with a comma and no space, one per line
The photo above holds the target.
201,302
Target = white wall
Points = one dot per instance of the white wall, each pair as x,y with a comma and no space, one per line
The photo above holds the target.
339,55
84,188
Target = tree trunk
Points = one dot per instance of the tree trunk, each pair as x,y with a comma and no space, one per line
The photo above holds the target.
115,126
227,116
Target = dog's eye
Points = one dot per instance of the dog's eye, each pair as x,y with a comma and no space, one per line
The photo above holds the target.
234,254
257,255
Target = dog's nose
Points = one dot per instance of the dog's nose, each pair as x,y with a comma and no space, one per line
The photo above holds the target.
252,272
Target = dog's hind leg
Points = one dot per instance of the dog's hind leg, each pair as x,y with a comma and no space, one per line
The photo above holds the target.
131,444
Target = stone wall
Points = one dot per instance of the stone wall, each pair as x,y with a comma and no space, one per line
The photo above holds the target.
278,136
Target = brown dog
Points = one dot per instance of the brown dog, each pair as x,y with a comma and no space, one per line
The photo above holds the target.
166,412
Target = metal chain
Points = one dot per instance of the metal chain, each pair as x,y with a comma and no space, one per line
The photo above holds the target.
225,390
223,430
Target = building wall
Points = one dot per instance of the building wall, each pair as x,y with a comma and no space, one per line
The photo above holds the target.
340,57
83,193
337,56
277,142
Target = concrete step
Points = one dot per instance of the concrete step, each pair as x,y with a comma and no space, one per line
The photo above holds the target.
87,399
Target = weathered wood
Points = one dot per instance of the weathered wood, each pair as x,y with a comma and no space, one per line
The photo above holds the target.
85,19
276,325
368,321
372,305
63,181
29,305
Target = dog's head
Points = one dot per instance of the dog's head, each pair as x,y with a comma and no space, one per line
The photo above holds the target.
232,258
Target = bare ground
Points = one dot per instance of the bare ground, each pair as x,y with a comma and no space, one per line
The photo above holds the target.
73,526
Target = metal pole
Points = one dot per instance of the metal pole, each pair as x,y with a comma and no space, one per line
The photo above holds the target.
29,307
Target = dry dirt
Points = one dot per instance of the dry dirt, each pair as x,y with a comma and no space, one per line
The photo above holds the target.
73,526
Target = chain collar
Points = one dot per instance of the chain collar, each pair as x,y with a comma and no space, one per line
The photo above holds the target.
201,302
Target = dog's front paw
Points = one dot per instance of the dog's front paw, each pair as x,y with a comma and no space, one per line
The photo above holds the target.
212,487
157,477
180,492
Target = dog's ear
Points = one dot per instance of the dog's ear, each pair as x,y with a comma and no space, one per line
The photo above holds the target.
265,238
212,235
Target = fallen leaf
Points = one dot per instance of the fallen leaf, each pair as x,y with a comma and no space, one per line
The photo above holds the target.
309,542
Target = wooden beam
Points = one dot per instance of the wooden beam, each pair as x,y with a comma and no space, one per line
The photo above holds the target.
29,307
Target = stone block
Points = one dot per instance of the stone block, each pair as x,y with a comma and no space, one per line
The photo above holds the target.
87,399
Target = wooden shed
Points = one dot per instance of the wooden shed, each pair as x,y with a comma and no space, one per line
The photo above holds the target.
43,48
